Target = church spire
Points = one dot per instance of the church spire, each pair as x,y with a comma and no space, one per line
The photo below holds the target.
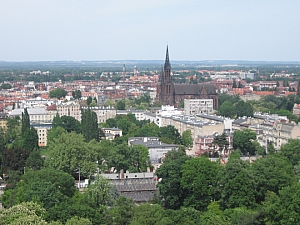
167,61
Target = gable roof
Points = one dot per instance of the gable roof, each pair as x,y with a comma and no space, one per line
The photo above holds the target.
193,89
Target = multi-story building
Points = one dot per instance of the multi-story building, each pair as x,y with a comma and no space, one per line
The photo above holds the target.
42,131
196,106
36,115
204,145
69,109
278,133
139,114
156,148
111,133
296,110
104,113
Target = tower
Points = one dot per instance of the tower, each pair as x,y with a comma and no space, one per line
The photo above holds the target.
165,86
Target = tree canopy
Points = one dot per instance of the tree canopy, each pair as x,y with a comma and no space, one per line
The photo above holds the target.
58,93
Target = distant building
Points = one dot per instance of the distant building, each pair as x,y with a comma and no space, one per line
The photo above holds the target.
296,110
156,148
36,115
140,187
196,106
169,93
42,131
111,133
69,109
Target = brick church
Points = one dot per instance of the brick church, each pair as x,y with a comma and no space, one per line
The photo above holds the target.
169,93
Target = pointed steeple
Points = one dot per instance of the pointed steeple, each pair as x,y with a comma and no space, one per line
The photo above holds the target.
167,61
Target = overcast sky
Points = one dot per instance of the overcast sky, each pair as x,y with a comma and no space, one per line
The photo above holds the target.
38,30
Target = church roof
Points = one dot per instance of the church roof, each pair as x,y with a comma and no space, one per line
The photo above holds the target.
192,89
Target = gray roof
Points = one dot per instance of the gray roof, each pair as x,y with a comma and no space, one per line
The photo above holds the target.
239,121
192,89
153,144
31,111
3,115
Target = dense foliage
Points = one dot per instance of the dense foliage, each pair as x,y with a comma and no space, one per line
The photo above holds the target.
191,190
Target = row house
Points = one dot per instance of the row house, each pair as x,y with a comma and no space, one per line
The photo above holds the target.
197,127
278,133
104,113
69,109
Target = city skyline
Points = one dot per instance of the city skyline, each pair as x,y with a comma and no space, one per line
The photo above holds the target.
140,30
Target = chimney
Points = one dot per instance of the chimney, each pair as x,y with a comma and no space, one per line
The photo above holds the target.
122,174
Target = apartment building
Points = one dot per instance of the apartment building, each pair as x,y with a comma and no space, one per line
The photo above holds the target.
36,115
196,106
69,109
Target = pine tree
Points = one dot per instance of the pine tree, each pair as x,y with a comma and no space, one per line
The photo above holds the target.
89,124
240,85
298,88
25,121
234,84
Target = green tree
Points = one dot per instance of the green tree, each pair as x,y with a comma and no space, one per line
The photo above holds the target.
148,214
133,158
148,130
122,212
220,143
230,98
240,85
199,180
121,105
69,153
170,135
98,193
227,109
139,158
271,174
291,151
243,140
76,94
169,175
78,221
35,160
283,208
236,184
69,123
24,213
187,139
30,139
14,159
234,84
46,186
243,216
5,86
244,109
89,100
55,132
89,124
25,121
58,93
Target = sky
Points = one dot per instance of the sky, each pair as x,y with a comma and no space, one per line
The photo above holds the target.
51,30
